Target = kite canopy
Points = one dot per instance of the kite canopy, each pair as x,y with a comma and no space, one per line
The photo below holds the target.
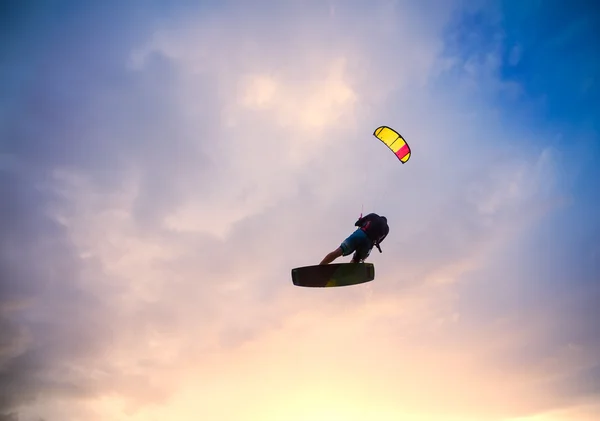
394,141
333,275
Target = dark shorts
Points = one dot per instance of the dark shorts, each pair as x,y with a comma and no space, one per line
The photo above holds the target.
357,242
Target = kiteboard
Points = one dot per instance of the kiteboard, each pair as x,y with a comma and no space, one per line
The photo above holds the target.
333,275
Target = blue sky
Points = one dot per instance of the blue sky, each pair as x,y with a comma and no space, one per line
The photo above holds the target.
557,59
549,50
145,147
558,70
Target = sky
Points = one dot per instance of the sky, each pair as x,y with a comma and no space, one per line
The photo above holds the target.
164,165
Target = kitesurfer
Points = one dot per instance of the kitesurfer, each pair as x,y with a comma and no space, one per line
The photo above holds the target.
372,229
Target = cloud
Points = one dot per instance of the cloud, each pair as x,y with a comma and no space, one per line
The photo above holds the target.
165,178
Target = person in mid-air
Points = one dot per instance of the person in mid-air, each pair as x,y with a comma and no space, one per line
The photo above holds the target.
372,229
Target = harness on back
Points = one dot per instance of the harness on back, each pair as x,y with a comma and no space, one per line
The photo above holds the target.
375,227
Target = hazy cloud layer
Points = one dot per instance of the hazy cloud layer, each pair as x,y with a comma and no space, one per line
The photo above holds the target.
164,169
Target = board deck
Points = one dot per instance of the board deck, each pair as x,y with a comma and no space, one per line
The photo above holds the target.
333,275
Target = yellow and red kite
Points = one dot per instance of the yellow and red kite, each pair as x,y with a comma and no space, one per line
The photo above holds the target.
394,141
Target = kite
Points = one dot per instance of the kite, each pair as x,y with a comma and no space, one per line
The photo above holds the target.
333,275
394,141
